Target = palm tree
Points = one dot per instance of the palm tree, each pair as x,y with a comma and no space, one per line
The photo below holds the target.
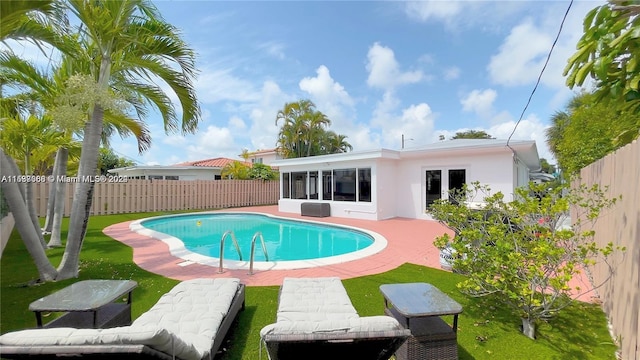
302,130
317,122
334,143
235,170
131,44
15,196
63,95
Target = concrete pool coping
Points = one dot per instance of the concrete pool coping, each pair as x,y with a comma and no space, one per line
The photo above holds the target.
408,241
177,247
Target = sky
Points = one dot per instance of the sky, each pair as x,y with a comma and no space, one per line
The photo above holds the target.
378,69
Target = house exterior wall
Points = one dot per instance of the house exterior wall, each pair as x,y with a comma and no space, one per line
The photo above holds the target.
359,210
493,169
399,178
183,174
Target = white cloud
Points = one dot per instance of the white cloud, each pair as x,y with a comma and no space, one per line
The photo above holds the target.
214,141
479,102
237,123
263,132
439,10
384,70
222,85
415,122
274,49
456,14
330,97
452,73
521,56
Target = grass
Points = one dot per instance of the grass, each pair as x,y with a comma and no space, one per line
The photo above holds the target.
485,330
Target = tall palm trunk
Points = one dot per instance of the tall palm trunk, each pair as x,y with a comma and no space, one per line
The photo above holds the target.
24,225
28,197
31,210
82,197
60,189
48,221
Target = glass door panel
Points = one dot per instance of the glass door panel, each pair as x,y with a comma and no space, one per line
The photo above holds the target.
433,188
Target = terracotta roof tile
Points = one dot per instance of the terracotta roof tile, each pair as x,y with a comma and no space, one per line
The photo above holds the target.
215,162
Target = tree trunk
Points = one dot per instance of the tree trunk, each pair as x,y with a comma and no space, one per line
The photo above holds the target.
83,196
60,190
32,212
48,221
24,225
529,328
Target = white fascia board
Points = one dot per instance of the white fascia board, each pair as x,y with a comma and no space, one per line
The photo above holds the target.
337,158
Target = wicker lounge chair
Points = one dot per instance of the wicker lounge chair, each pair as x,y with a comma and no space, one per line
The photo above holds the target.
316,320
189,322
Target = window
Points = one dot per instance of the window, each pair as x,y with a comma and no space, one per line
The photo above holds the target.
217,177
155,177
344,185
338,185
313,184
299,185
364,185
327,185
286,186
171,177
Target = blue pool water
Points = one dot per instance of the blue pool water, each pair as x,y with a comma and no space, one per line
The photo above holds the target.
285,239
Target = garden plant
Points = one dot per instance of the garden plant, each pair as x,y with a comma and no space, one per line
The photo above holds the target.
518,253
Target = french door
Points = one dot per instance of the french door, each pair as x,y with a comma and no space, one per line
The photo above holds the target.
440,182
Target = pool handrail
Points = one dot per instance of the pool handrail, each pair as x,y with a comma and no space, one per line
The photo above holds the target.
253,248
235,243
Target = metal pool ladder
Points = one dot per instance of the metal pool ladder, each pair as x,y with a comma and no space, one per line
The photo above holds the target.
235,243
253,248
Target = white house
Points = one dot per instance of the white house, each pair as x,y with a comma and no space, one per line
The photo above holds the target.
267,156
382,184
208,169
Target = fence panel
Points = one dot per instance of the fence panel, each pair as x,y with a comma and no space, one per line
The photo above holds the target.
165,195
620,296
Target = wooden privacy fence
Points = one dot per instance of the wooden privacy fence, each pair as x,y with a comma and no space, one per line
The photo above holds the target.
620,295
166,195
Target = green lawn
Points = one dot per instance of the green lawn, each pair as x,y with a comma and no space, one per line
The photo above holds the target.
485,331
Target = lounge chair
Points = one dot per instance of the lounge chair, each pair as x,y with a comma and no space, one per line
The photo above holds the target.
316,320
189,322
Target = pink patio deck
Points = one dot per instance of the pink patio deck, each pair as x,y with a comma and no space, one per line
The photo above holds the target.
409,241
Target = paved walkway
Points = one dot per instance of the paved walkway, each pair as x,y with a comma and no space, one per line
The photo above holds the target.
409,241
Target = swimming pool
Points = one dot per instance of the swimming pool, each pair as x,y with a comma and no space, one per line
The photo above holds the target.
290,244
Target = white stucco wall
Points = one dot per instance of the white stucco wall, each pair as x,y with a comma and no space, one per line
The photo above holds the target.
183,174
358,210
399,178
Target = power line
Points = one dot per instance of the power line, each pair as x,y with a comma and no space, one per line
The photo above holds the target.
541,72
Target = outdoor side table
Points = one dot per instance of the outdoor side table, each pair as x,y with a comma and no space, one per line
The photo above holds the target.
418,307
88,304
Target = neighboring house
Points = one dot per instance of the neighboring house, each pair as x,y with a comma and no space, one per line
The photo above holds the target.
382,184
266,157
208,169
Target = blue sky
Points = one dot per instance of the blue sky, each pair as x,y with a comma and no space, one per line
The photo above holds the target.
376,69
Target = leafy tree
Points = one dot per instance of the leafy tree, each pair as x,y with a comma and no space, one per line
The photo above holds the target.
132,50
262,172
609,53
109,160
588,130
546,167
304,132
235,170
517,253
472,134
